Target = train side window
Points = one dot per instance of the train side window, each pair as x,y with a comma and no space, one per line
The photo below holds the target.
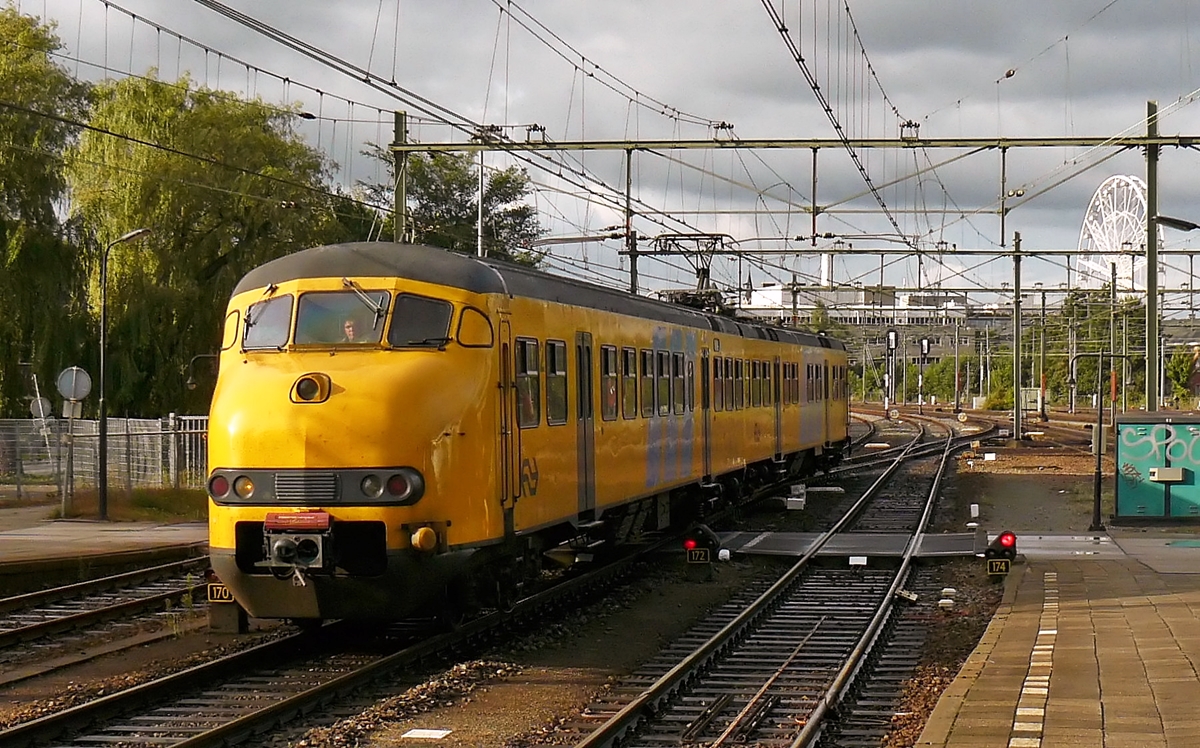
795,383
628,383
662,374
718,386
229,333
556,382
647,389
730,403
739,393
529,396
474,329
825,378
268,323
768,389
691,385
608,382
755,384
679,383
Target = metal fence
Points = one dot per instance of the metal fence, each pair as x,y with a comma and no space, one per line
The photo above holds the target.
63,454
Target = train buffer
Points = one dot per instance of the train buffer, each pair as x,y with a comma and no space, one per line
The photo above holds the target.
878,544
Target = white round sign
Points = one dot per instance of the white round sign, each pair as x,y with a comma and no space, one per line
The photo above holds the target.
962,417
74,383
893,414
39,407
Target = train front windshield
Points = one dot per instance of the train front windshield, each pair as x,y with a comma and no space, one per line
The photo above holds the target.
341,317
348,318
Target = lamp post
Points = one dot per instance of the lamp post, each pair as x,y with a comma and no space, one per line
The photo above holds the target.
102,479
1097,524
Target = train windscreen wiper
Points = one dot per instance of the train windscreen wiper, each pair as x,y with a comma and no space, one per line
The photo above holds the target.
375,306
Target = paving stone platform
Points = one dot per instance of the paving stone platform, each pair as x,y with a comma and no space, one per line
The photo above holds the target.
1096,645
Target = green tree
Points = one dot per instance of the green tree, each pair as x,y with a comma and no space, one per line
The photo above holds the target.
40,287
443,205
1180,368
226,186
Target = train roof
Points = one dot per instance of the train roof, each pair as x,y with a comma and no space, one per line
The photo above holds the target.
443,267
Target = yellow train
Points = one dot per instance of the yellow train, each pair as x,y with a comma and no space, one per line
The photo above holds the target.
398,429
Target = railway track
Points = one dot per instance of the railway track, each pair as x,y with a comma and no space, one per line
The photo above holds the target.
770,671
32,618
261,689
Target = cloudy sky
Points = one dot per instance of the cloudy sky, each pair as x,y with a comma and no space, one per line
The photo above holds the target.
654,69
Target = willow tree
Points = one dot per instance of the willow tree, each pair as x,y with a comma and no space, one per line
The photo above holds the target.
40,288
224,184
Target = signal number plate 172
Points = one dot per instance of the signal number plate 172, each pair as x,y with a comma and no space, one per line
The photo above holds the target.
698,556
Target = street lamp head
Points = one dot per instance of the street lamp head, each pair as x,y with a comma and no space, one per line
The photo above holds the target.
130,236
1177,223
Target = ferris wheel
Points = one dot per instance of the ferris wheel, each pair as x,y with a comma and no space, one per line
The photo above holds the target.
1114,226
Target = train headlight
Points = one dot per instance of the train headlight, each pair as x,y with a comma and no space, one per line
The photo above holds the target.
243,487
307,389
283,550
307,551
406,485
218,486
313,387
424,539
372,486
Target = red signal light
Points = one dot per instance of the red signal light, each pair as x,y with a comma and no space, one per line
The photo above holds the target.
1008,539
218,486
689,544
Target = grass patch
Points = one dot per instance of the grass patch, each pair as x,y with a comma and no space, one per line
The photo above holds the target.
146,505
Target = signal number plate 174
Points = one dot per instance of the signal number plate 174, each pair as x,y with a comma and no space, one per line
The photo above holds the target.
998,566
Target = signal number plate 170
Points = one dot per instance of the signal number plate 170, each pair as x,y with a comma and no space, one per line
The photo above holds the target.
219,593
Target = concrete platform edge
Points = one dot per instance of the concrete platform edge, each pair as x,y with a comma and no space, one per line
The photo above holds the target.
937,727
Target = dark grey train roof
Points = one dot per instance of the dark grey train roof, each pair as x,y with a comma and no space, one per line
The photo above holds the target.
435,265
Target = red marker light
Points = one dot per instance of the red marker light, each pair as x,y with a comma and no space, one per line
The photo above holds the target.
689,544
1007,539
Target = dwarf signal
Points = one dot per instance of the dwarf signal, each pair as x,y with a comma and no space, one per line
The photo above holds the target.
700,543
1001,552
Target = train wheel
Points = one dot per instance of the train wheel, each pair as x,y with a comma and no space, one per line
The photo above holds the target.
459,605
308,625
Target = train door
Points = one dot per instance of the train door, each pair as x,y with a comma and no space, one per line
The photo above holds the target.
778,402
510,435
705,411
585,421
826,405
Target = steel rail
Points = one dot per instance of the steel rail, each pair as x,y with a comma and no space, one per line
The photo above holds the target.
54,726
624,722
92,586
815,722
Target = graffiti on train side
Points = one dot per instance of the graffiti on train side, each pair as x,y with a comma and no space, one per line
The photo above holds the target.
1175,442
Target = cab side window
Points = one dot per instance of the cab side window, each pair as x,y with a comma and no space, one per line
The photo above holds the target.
529,394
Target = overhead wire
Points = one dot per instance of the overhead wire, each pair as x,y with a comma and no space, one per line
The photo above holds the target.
447,115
